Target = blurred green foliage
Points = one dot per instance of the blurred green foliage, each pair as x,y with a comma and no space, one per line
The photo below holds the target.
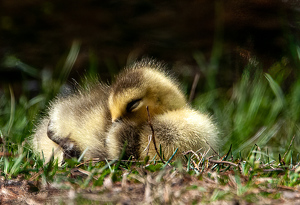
256,109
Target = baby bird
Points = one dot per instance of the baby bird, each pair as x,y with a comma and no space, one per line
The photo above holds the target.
74,124
175,124
101,121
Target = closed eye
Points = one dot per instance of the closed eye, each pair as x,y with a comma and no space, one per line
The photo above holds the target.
132,105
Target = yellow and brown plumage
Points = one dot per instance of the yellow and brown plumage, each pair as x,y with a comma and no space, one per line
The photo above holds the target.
144,84
43,145
101,120
75,123
176,125
184,128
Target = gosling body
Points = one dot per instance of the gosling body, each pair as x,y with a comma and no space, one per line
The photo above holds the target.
185,129
75,124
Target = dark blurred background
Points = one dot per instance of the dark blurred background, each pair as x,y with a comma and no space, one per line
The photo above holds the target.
37,35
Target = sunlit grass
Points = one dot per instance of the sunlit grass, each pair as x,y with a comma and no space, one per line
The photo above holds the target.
257,110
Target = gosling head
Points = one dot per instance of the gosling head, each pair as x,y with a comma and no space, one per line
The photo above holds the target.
144,84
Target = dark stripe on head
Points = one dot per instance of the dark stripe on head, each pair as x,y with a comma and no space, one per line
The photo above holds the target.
128,79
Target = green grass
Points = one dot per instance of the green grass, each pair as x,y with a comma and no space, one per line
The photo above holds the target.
258,158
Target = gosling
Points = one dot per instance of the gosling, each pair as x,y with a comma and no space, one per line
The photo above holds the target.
99,121
176,125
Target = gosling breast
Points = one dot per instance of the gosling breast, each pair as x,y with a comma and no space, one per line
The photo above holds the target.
185,129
